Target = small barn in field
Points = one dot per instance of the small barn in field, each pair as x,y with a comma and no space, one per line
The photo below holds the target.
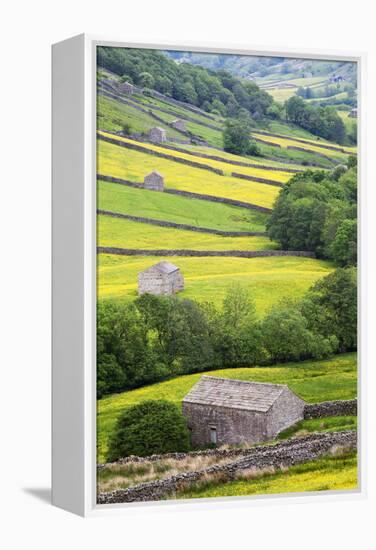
154,181
224,411
162,278
157,135
126,88
353,113
179,124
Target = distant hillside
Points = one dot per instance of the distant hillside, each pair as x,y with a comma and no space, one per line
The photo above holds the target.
259,68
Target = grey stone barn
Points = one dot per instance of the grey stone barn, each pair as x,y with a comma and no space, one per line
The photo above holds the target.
126,88
353,113
154,181
157,135
224,411
179,124
161,278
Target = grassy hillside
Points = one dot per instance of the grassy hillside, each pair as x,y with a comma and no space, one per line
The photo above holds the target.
112,115
172,208
207,279
123,233
277,175
313,381
133,165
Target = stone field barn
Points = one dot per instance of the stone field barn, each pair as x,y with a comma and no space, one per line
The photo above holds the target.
154,181
157,135
224,411
161,278
179,124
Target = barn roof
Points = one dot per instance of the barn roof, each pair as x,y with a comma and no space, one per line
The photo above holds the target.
234,394
163,267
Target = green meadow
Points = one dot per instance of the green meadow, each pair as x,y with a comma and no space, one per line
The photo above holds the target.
173,208
313,381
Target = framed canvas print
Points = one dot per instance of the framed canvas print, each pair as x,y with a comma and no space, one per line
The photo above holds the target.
205,286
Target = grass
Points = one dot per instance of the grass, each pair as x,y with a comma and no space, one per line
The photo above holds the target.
281,94
207,279
315,146
112,115
325,474
326,424
133,165
313,381
121,476
123,233
162,206
304,158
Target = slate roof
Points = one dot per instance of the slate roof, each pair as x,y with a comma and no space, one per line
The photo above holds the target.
234,394
163,267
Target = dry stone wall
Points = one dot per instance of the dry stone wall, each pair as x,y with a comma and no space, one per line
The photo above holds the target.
284,454
202,253
331,408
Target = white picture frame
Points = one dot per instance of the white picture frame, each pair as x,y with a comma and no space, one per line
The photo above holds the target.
74,274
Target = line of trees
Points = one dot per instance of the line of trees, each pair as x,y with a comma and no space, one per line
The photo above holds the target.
157,337
321,121
317,211
217,92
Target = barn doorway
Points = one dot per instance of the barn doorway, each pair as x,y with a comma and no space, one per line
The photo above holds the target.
213,435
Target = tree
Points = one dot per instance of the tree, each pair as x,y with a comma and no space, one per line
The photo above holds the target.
330,307
236,136
287,337
151,427
146,80
343,249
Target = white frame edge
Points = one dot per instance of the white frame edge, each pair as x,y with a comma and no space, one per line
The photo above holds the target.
74,279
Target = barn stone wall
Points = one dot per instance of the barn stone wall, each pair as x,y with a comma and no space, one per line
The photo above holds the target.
233,426
286,411
153,282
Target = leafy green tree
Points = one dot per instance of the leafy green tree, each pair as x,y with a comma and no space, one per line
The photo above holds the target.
146,80
343,249
286,335
151,427
330,308
236,136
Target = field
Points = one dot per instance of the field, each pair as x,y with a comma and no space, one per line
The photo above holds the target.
122,233
313,381
176,209
329,473
309,146
207,279
277,175
134,166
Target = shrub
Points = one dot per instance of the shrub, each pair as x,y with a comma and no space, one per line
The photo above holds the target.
151,427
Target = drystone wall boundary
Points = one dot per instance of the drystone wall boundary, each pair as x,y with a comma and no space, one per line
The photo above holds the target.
284,454
202,253
331,408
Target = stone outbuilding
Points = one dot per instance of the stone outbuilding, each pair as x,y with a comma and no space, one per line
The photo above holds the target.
157,135
223,411
154,181
126,88
179,124
160,279
353,113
